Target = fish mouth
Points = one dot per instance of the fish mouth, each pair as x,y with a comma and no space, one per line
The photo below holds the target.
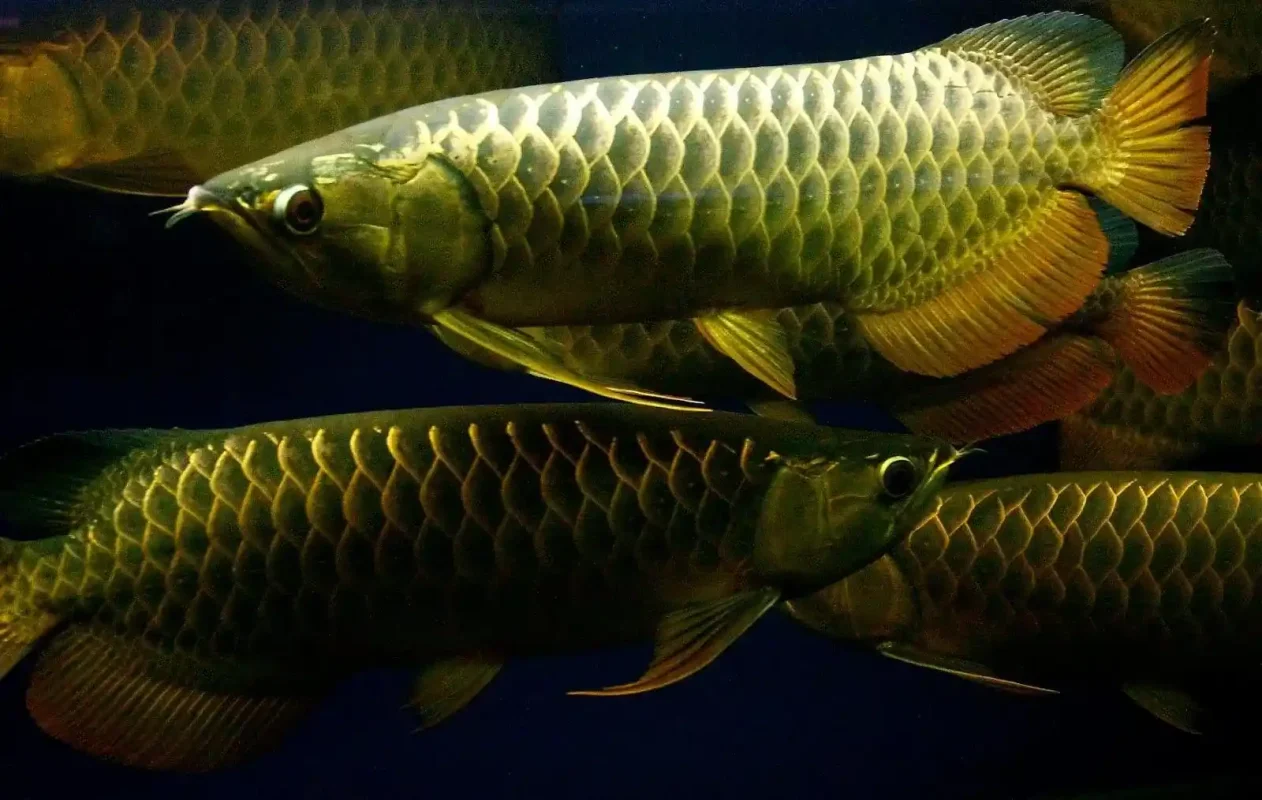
241,219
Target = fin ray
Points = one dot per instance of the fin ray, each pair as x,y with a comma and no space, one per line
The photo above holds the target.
958,667
692,637
1047,381
146,721
1155,168
1068,61
444,688
1034,281
754,340
1169,705
1170,317
538,360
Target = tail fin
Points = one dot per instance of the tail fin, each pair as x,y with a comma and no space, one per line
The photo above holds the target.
20,627
1166,320
1155,167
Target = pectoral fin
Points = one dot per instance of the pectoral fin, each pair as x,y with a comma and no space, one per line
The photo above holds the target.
959,667
157,173
690,638
1168,705
117,699
756,341
444,688
536,358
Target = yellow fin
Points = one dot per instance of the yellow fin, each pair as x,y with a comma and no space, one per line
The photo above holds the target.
1154,167
1067,61
156,173
535,357
1047,381
958,667
97,693
786,410
690,638
1168,705
756,341
1169,318
474,352
444,688
1120,230
1035,280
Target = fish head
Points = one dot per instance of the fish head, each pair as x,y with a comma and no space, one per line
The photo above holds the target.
44,123
828,516
340,222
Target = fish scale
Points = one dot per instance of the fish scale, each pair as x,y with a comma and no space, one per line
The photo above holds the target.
256,542
1128,574
221,84
1131,426
811,176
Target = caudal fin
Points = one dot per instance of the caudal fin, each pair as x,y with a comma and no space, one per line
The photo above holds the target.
1155,163
20,628
1166,320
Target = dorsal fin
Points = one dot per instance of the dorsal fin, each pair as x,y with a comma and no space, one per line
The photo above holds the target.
1068,61
40,482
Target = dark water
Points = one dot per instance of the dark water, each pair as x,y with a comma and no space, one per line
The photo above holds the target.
107,320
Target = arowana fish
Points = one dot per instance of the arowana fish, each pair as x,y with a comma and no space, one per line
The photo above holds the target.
203,589
936,195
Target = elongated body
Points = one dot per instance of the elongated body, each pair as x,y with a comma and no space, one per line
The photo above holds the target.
154,96
929,193
255,566
1146,579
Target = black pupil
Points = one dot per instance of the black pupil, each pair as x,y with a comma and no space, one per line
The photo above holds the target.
899,478
302,210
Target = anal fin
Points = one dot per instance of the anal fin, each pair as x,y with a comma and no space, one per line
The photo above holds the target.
756,341
107,696
535,357
1047,381
690,638
444,688
961,668
1033,281
1168,705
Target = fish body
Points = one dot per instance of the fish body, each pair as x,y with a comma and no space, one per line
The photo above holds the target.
1143,579
253,567
928,193
155,96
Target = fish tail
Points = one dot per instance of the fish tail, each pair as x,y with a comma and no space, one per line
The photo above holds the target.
21,626
1154,164
1167,319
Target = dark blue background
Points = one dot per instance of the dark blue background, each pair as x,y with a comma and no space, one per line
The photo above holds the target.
107,320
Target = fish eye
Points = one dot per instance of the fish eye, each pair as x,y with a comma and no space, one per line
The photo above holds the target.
899,477
299,208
